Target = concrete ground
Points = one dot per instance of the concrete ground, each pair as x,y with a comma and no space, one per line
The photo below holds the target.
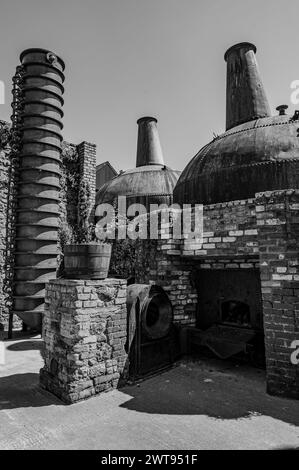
198,405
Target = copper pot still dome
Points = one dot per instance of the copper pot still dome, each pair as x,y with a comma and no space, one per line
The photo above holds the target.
151,182
258,152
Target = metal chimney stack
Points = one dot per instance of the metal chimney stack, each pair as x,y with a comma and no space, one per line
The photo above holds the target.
38,182
149,150
246,98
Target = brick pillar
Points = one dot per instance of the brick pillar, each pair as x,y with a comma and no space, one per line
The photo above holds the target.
84,330
278,236
87,168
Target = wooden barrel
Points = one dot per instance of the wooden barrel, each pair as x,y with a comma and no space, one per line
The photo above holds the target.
85,261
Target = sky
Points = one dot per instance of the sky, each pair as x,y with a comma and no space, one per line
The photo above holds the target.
131,58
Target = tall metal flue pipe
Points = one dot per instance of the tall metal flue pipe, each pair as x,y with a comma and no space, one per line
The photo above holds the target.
246,97
38,183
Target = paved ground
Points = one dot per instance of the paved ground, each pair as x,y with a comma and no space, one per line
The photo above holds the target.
196,405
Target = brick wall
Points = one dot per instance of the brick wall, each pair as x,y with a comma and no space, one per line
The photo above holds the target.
157,265
85,330
258,233
228,229
229,241
87,165
278,222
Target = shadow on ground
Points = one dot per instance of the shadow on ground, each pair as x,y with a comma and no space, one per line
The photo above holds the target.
22,390
190,390
26,346
285,448
215,389
19,388
19,335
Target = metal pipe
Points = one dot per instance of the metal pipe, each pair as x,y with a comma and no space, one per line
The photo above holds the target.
245,96
149,150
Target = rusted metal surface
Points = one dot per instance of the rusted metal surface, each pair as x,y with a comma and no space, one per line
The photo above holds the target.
38,184
152,339
245,97
260,155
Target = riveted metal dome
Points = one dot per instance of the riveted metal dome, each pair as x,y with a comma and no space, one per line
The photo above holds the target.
260,155
257,152
151,182
148,184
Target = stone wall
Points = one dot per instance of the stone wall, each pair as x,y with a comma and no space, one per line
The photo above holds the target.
278,222
84,330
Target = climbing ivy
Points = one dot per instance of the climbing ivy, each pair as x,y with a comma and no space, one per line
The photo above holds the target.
69,182
123,259
5,136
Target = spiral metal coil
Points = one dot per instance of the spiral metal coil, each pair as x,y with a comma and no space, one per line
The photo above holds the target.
37,208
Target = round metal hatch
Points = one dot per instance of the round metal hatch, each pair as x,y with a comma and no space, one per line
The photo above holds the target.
156,315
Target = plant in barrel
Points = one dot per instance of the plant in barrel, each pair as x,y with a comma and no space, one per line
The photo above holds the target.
88,257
